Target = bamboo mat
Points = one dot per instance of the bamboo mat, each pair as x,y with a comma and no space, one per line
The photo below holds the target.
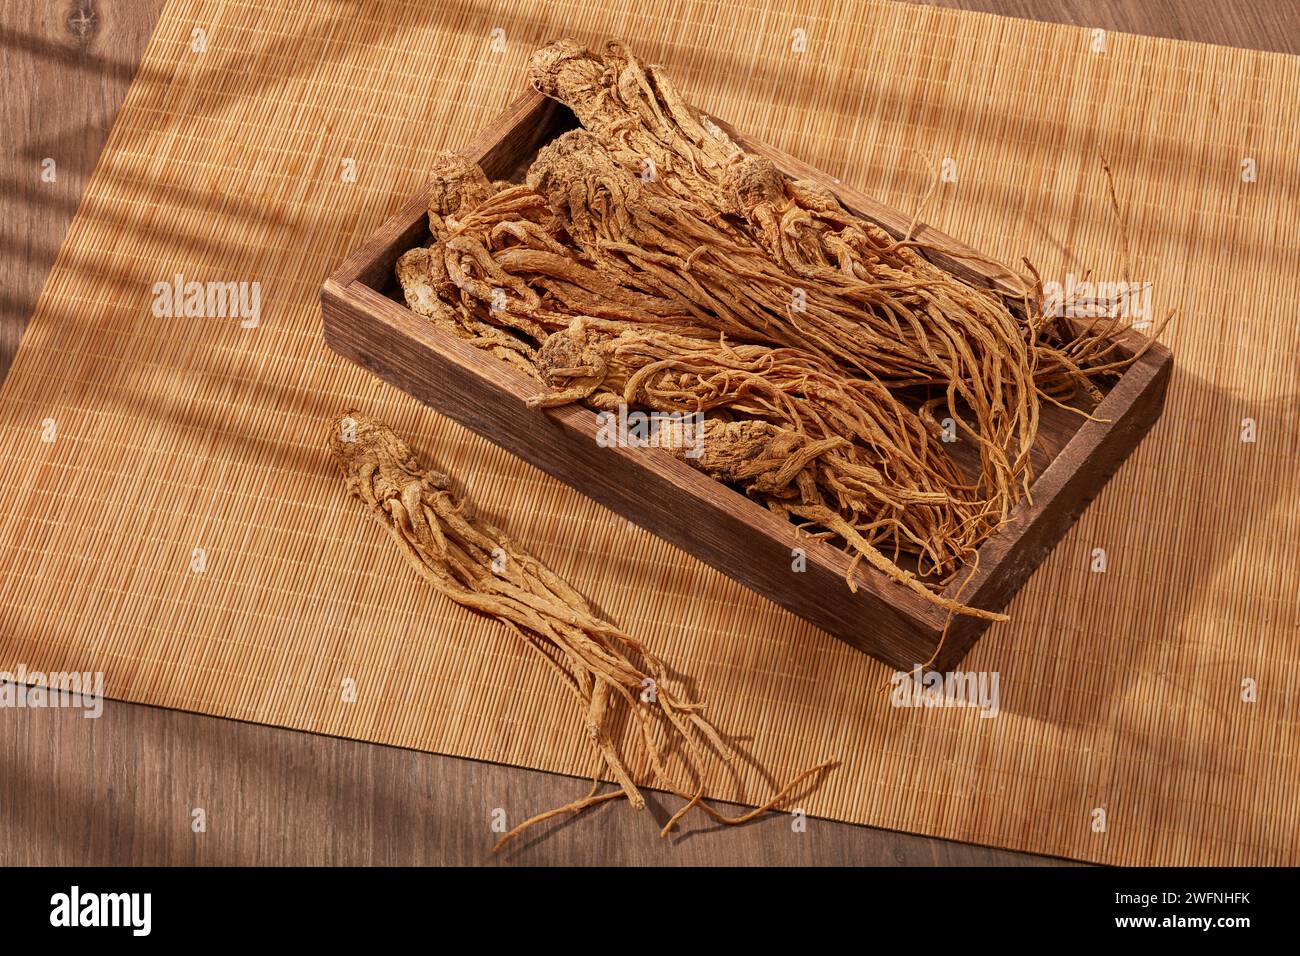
1120,690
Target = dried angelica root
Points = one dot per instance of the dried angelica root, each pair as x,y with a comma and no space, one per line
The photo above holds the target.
479,567
491,273
870,452
648,261
634,113
760,457
905,325
886,470
640,114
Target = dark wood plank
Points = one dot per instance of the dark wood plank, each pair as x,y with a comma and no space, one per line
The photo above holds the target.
66,69
119,790
1241,23
122,789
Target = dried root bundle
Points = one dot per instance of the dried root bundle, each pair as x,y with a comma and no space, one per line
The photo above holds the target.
648,261
638,112
500,279
479,567
813,278
835,444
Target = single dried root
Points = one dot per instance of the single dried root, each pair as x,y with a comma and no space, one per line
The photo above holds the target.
479,567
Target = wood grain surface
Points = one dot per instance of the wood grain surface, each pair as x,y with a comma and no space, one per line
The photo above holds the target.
122,789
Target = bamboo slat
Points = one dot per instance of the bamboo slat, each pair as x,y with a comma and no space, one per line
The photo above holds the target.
1120,690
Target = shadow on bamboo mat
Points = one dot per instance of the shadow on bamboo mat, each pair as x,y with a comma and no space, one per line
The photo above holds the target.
1122,691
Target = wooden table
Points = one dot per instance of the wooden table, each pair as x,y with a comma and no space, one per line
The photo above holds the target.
121,789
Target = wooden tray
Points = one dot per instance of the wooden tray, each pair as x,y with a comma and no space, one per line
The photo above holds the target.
366,320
